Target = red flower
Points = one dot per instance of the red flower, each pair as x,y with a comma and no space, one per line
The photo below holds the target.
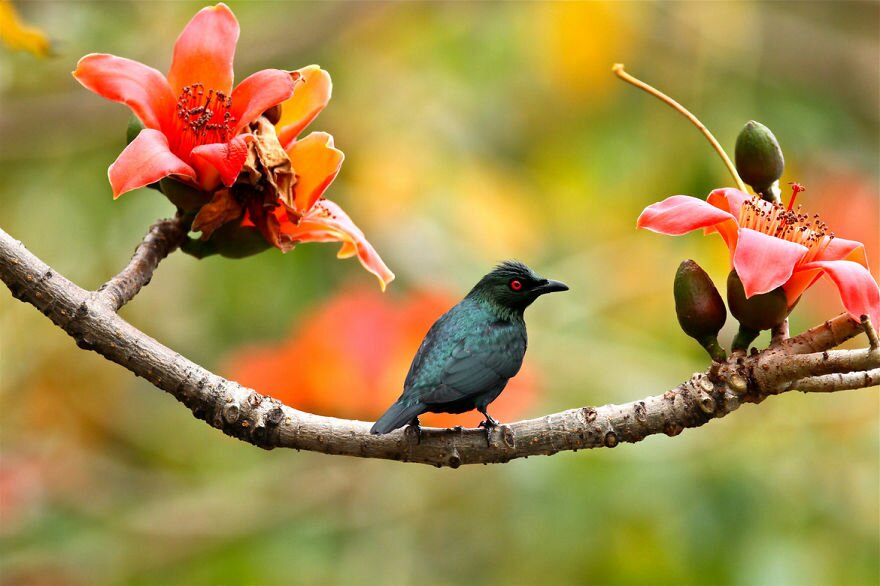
193,119
771,246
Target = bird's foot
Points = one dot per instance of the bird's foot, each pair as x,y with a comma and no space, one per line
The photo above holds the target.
488,424
415,427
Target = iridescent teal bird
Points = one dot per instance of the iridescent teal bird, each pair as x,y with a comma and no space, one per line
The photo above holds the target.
471,352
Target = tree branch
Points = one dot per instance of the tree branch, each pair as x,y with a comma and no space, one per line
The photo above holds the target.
841,381
162,239
265,422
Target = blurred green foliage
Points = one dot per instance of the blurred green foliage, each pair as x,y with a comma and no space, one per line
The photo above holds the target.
473,132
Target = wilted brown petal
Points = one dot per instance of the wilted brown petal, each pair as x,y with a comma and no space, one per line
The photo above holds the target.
221,209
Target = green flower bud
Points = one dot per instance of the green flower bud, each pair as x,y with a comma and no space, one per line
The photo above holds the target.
187,198
759,312
231,240
759,159
699,307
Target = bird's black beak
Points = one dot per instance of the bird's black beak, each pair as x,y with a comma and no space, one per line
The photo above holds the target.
549,286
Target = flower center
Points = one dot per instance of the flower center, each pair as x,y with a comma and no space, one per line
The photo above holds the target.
203,117
792,225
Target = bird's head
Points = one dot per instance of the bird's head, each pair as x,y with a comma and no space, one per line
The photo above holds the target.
514,286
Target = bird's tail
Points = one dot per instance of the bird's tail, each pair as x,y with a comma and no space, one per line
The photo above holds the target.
397,415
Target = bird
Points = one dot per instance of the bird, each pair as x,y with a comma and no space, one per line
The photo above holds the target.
471,351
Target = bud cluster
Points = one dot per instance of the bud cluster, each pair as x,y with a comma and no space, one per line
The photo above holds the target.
698,305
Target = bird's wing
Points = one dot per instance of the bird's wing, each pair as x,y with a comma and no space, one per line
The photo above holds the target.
476,364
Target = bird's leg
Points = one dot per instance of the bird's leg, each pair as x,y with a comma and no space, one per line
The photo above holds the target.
416,428
489,424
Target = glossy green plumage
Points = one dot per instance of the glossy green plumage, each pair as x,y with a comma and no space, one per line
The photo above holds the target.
471,352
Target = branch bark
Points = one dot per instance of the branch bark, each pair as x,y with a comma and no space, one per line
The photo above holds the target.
91,319
163,238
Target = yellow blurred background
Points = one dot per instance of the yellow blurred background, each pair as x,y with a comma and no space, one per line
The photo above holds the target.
473,132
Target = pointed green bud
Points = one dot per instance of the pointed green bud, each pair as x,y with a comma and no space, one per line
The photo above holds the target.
758,312
759,159
699,307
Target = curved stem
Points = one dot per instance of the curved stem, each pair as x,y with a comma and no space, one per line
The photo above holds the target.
619,72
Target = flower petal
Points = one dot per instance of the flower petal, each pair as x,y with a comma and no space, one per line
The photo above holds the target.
145,160
326,222
801,280
728,199
227,158
141,88
310,96
204,51
258,93
316,163
857,287
680,214
764,262
843,249
222,208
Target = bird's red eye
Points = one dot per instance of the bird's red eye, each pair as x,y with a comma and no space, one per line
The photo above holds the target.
516,284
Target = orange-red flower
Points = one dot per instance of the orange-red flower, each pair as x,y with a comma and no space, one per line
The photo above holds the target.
281,189
200,131
193,118
350,356
772,246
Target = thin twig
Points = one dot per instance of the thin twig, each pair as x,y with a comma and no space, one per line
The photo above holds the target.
870,332
825,336
162,239
841,381
798,366
619,72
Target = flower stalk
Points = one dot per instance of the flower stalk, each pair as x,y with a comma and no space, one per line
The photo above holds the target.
619,72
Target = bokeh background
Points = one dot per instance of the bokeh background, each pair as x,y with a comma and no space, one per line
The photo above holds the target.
474,132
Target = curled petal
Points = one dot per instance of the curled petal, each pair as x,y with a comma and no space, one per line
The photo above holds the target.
310,96
204,51
227,158
259,92
316,163
141,88
680,214
145,160
857,287
326,222
764,262
843,249
728,199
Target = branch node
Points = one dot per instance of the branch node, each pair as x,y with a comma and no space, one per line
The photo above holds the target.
610,440
738,384
706,402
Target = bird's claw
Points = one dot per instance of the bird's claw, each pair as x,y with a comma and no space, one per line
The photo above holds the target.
415,427
488,424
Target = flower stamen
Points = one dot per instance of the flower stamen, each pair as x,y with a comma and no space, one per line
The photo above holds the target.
203,117
787,224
